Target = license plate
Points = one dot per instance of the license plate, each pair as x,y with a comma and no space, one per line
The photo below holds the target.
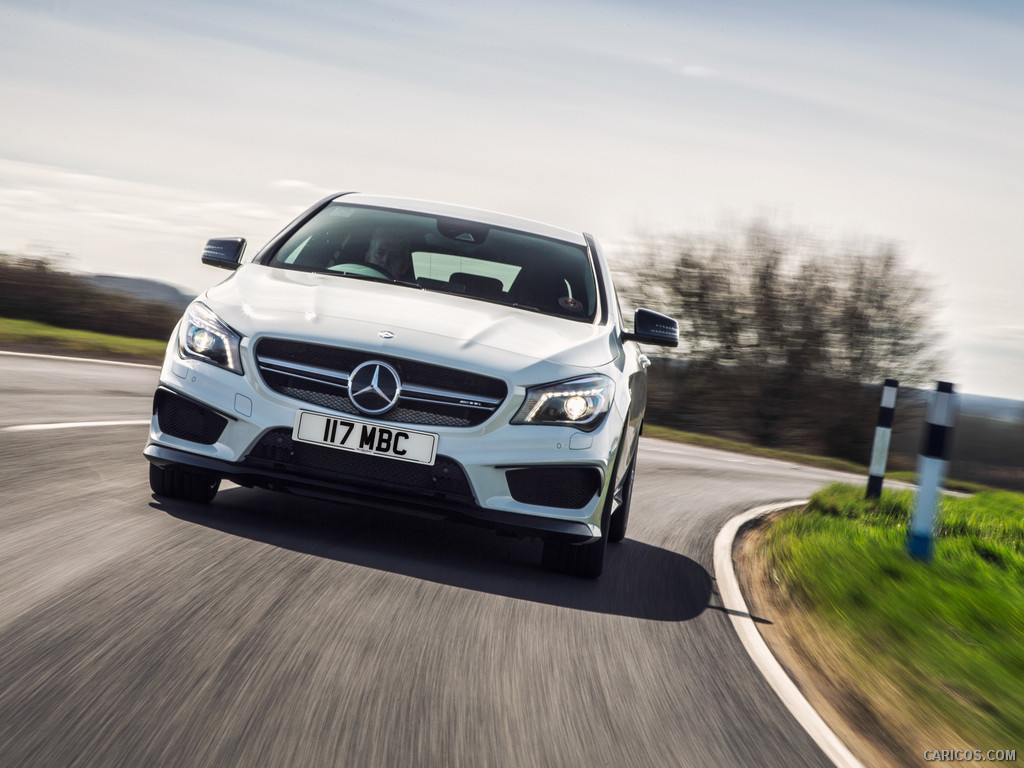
363,437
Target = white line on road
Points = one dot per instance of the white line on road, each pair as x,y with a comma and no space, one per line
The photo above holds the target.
732,601
79,359
74,424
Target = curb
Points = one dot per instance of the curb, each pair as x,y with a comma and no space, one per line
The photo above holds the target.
774,674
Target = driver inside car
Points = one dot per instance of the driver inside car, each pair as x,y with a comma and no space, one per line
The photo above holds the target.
389,251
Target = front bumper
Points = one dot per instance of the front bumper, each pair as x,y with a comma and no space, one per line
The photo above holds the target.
251,446
438,504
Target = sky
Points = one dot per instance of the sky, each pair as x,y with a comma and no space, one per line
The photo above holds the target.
134,131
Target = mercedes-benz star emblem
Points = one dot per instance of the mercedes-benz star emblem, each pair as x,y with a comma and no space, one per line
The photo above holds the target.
374,387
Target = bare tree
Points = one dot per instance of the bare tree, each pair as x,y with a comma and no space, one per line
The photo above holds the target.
777,323
884,323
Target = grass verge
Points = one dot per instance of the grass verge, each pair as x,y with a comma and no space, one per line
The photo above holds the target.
939,642
28,336
824,462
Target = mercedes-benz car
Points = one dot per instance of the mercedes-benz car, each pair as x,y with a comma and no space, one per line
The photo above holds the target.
414,356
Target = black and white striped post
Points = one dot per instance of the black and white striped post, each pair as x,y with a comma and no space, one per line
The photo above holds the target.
932,464
883,434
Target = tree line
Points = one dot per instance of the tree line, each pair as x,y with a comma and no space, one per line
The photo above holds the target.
36,289
785,339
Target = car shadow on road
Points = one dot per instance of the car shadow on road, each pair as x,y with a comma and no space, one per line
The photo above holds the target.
640,580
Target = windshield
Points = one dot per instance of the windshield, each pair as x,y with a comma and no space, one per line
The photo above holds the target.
434,253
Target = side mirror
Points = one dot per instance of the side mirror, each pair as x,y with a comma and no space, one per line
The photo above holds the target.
653,328
224,252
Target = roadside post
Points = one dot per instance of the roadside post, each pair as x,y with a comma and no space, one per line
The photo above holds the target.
932,465
883,434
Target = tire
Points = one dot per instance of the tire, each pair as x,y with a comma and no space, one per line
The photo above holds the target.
177,483
587,560
620,517
584,560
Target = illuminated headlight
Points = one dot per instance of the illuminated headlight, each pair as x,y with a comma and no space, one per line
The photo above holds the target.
204,336
580,403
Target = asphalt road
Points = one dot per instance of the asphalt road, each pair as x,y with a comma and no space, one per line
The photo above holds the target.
269,630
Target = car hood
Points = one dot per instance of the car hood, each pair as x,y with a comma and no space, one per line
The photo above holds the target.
444,328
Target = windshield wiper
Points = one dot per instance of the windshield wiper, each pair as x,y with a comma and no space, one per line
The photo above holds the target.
371,278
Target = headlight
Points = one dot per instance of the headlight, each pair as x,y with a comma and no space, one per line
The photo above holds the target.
204,336
580,403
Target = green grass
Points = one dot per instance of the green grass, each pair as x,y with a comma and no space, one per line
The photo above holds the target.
950,484
36,337
949,633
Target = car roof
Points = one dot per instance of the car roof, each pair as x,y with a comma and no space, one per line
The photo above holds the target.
492,218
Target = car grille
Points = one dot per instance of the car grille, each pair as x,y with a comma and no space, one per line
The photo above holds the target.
276,450
432,395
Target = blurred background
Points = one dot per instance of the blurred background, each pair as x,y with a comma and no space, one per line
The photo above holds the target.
824,195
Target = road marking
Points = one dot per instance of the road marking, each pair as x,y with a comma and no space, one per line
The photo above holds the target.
734,605
79,359
74,424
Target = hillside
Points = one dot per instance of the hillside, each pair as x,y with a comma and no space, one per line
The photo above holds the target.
142,289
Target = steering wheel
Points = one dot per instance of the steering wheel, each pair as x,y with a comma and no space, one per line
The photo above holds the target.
381,271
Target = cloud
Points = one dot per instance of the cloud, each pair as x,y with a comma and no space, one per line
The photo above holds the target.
698,71
290,184
126,227
305,187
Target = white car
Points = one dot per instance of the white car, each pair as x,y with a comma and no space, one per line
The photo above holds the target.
415,356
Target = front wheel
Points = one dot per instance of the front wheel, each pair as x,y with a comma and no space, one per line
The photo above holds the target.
620,518
182,484
585,560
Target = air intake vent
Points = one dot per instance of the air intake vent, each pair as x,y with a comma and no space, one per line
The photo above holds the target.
184,419
563,487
